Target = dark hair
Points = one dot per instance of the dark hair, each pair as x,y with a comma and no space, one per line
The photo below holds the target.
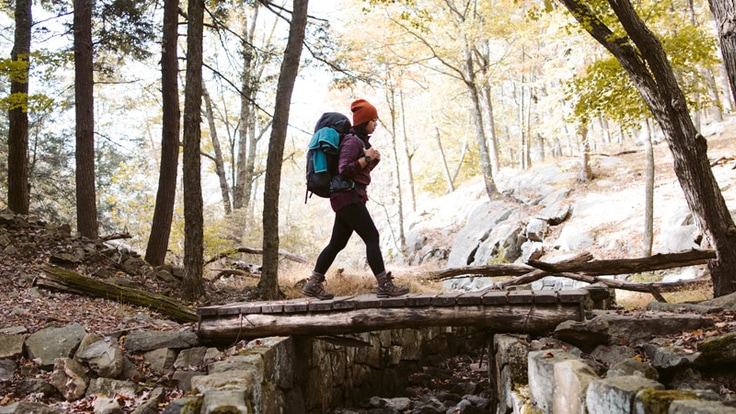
360,131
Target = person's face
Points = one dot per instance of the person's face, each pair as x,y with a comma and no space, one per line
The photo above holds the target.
372,124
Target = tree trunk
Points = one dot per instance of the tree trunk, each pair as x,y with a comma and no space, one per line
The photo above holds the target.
248,141
219,162
193,285
585,173
391,98
724,14
648,193
443,160
18,187
85,119
485,160
268,286
493,150
158,241
646,63
409,154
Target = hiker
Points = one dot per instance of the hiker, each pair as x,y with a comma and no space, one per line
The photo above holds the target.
356,160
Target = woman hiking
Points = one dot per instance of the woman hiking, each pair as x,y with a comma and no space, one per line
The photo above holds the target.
356,160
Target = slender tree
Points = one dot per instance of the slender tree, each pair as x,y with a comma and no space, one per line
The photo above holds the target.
85,120
193,284
641,55
724,13
18,187
268,286
158,240
217,156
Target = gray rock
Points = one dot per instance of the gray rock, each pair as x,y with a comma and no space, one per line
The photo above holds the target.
572,378
28,386
699,407
612,354
150,406
106,405
185,405
161,360
108,387
29,408
11,346
104,357
191,358
50,343
616,395
670,356
719,349
541,376
70,378
632,366
226,401
7,369
536,229
141,341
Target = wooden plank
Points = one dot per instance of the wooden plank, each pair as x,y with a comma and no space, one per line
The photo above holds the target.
366,302
520,297
419,299
573,296
272,307
494,298
545,297
230,309
316,305
470,299
343,303
296,305
446,299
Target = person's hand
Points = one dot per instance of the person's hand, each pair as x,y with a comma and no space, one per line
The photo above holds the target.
373,153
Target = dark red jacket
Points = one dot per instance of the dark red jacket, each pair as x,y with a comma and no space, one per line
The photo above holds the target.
348,165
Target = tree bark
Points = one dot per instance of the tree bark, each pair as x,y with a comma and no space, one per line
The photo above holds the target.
158,241
218,160
85,121
443,160
18,187
643,58
68,281
269,286
648,193
193,284
724,14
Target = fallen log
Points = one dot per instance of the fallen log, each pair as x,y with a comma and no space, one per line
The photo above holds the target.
624,266
582,263
68,281
251,250
500,269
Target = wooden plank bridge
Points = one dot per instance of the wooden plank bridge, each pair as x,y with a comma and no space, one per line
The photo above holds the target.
522,311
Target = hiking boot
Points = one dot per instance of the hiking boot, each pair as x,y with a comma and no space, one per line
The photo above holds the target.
314,288
386,287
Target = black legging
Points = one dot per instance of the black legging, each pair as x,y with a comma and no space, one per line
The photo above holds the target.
354,217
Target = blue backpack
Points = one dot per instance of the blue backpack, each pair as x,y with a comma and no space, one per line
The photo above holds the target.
322,155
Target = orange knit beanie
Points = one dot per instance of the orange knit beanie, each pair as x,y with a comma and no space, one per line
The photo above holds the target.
363,112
